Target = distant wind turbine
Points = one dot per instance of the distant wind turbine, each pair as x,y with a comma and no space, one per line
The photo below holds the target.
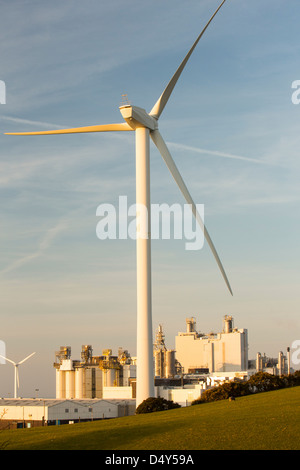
16,366
145,125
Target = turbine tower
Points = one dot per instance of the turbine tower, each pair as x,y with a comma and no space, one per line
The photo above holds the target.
16,366
145,126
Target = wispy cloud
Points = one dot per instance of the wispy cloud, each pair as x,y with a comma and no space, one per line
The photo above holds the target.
31,123
44,244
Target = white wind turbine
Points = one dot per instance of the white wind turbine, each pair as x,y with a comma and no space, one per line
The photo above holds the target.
145,125
16,366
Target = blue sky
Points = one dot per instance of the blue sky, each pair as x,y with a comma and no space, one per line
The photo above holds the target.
233,132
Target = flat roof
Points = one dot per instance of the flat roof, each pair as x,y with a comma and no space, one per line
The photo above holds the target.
55,401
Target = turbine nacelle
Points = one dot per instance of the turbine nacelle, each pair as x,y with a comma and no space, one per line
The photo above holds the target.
137,117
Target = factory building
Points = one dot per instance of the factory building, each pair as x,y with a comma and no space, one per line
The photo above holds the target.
23,412
222,352
92,376
114,377
106,376
199,361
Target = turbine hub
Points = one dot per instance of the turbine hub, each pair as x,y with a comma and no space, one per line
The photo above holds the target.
137,117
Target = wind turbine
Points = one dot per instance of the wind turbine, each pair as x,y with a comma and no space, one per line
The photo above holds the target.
16,365
145,125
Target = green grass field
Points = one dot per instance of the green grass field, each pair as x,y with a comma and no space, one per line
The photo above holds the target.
266,421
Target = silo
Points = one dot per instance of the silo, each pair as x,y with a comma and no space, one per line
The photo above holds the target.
70,384
170,363
288,360
280,363
258,362
79,381
60,384
109,377
159,362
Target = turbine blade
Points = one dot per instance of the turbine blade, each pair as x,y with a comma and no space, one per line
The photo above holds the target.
9,360
21,362
162,101
76,130
18,380
160,144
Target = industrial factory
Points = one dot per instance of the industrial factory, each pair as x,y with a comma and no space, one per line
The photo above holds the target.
198,361
93,376
104,386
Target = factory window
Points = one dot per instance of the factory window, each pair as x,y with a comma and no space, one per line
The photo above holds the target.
66,410
90,410
75,410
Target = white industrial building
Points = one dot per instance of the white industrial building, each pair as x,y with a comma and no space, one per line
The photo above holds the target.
217,357
93,376
106,376
22,412
103,387
222,352
199,361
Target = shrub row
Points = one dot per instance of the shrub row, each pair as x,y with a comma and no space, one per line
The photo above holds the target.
259,382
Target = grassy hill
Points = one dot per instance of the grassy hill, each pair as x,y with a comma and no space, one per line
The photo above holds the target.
267,421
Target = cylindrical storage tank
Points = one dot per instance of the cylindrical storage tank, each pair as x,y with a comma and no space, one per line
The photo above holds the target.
258,362
109,377
170,363
280,363
60,384
159,363
79,383
288,360
70,384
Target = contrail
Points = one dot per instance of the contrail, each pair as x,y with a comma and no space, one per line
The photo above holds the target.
216,153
